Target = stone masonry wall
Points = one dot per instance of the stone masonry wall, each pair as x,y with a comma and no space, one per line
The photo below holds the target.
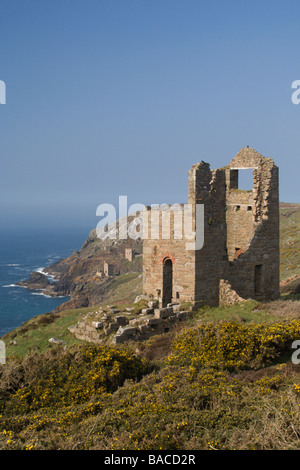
254,229
209,190
111,325
157,250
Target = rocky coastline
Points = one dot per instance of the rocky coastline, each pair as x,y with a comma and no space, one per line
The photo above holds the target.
81,276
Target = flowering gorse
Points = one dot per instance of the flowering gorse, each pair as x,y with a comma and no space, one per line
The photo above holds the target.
233,346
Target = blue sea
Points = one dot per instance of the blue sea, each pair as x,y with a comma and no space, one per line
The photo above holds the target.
24,251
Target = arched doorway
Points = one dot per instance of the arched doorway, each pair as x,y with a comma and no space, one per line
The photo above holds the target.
167,282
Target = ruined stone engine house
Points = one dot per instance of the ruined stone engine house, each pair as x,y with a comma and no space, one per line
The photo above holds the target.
240,255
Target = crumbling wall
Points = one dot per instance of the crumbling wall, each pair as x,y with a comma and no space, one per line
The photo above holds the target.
207,187
252,219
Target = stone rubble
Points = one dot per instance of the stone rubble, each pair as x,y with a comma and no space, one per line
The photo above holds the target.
124,326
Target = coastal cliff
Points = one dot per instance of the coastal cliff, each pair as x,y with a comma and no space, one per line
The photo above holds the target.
82,276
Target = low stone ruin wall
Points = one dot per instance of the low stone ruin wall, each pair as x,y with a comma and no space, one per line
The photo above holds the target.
124,326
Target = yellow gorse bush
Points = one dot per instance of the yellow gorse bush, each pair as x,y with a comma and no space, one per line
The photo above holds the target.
107,397
233,346
77,376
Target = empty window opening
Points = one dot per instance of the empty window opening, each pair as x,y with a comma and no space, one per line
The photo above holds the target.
258,279
237,249
245,179
237,208
249,208
177,295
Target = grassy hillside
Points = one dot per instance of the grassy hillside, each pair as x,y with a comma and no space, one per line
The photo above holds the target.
210,385
289,240
34,334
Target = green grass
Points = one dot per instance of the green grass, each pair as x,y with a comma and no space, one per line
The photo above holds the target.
125,288
35,335
36,332
247,311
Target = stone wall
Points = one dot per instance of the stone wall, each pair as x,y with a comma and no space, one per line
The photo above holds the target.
119,327
159,249
255,231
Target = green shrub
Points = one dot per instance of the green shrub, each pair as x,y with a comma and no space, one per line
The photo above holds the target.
233,346
63,378
207,394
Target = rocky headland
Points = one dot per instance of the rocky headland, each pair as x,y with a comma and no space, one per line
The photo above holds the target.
82,276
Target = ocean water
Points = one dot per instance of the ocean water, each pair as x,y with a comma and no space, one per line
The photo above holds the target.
22,252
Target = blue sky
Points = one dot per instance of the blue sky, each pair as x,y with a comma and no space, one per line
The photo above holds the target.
109,98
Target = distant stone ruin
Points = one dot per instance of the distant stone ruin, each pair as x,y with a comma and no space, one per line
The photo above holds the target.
108,269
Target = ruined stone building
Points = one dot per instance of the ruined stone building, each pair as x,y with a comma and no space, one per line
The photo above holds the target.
239,258
108,269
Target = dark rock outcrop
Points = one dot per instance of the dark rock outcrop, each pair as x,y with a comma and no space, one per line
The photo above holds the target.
36,281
